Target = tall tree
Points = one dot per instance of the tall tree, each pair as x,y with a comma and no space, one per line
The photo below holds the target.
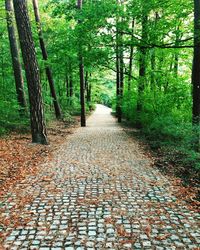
196,65
38,127
117,51
131,56
119,60
19,83
81,73
45,57
142,68
71,87
121,75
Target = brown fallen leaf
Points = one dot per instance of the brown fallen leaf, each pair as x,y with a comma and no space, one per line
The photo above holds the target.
147,230
162,237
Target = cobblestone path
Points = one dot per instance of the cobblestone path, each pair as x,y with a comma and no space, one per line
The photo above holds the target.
102,192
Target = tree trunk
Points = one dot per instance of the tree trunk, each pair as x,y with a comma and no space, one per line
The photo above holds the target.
71,90
89,92
87,86
81,73
131,57
45,57
38,127
196,65
142,71
121,76
176,55
82,91
118,107
19,83
67,85
196,77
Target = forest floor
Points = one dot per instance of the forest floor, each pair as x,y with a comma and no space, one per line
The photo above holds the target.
170,162
93,188
19,157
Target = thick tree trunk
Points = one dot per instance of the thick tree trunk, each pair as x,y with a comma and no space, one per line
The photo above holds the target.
45,57
19,83
38,128
81,73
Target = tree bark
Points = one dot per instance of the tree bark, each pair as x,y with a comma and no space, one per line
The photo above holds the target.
38,128
196,66
131,57
45,58
17,69
67,85
118,108
142,71
87,85
176,55
81,74
121,76
196,77
71,87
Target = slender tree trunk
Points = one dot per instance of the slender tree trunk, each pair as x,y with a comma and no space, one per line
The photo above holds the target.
86,82
3,70
71,90
118,110
87,85
153,68
67,85
89,93
153,56
131,57
196,65
19,83
121,76
82,91
176,55
81,73
38,127
45,57
176,62
142,71
196,77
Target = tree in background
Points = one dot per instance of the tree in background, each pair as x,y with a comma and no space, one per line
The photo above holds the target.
19,83
45,58
81,72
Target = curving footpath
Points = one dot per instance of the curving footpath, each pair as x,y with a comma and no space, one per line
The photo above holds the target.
102,192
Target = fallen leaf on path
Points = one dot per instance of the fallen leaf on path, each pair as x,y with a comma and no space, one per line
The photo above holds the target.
162,237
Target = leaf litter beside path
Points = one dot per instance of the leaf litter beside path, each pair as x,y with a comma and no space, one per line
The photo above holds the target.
184,180
19,159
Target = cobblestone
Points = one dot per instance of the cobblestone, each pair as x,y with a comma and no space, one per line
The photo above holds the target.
102,192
